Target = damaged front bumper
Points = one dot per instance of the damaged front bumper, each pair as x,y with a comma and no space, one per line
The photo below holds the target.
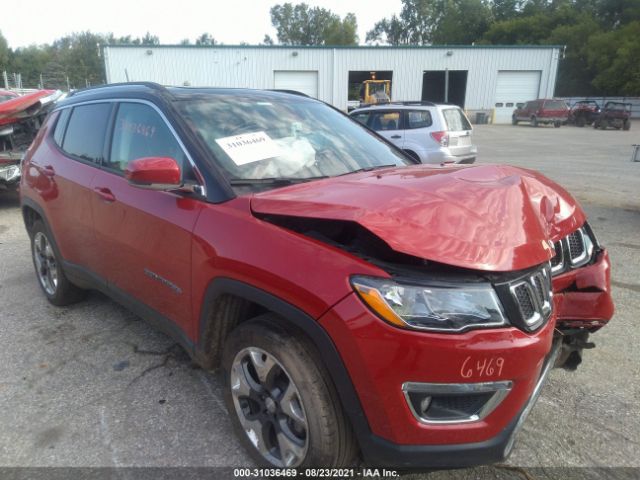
583,304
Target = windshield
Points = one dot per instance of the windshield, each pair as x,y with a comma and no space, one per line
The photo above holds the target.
269,137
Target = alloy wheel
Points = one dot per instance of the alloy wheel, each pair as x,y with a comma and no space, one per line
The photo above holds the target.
269,407
45,263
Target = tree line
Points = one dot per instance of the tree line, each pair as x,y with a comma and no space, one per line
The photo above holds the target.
602,39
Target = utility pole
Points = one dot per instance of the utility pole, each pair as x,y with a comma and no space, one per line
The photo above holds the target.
41,83
446,85
6,80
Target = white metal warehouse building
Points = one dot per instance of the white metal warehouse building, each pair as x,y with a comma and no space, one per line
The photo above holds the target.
481,78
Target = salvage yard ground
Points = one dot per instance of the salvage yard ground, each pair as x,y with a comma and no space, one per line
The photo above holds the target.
93,386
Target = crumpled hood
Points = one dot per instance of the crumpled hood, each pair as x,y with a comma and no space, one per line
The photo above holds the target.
489,217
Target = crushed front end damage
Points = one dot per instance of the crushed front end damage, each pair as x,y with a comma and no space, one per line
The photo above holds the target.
20,120
582,293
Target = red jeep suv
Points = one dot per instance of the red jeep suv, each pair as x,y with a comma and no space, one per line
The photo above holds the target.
358,305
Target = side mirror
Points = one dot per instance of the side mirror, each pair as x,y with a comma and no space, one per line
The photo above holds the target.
154,173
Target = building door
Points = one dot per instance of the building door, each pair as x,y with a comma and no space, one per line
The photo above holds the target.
299,81
512,88
445,86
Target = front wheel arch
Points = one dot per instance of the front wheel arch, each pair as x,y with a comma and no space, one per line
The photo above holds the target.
208,356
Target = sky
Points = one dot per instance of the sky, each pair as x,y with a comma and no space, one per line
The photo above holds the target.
229,21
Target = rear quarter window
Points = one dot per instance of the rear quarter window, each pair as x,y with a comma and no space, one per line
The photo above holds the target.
455,120
61,125
85,134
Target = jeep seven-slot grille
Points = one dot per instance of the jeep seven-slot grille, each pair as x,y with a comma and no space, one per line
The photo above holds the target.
573,251
576,244
529,304
525,302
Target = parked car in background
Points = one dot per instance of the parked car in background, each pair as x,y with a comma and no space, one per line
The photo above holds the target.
614,114
7,95
584,113
360,305
542,111
428,132
20,118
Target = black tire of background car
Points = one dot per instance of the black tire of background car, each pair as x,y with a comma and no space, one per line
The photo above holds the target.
603,124
580,121
514,120
413,155
331,439
534,121
627,125
66,293
557,124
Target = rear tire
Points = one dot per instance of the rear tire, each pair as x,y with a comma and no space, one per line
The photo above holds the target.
281,400
47,263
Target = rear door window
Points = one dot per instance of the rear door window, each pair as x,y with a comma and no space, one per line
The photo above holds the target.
455,120
139,132
85,133
418,119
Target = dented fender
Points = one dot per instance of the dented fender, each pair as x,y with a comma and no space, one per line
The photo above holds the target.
583,296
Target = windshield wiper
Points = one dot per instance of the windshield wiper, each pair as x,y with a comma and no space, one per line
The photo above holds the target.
369,169
239,182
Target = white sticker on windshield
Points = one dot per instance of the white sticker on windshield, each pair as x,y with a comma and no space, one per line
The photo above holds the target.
249,147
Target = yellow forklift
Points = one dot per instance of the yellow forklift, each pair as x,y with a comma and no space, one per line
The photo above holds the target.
375,91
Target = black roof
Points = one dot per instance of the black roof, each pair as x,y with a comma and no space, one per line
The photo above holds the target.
153,91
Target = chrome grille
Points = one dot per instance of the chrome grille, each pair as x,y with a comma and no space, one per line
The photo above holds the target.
532,296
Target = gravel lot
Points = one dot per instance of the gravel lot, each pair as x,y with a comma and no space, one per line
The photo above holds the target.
94,386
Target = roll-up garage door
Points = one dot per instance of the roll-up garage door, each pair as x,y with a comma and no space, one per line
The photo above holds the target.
514,87
300,81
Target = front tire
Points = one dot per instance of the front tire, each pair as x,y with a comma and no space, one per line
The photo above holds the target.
46,261
282,402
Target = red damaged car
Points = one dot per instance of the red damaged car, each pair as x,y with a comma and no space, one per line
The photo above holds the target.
359,305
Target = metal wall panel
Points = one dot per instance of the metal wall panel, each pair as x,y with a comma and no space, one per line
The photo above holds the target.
253,67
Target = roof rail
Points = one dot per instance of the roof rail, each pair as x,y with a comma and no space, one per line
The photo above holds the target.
292,92
152,85
410,103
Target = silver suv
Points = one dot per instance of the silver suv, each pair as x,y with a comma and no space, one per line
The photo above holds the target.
429,132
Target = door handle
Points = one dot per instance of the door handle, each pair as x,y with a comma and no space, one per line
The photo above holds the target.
105,194
396,136
48,171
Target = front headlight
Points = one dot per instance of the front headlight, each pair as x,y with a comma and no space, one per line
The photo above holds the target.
440,309
9,172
